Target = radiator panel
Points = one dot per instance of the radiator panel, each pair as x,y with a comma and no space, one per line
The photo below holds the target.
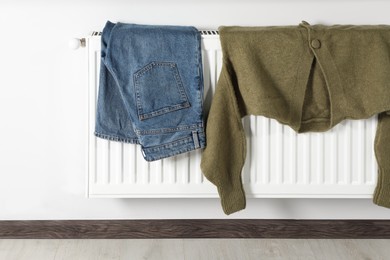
339,163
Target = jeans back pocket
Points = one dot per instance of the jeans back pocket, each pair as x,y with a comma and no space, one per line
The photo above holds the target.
159,90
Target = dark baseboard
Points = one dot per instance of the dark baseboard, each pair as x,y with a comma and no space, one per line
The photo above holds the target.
200,228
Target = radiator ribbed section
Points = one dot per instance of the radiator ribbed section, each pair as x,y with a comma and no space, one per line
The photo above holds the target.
341,156
339,163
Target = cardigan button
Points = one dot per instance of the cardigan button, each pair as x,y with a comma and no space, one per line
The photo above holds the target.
316,44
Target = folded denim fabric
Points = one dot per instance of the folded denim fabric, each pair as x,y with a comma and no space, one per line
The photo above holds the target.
151,88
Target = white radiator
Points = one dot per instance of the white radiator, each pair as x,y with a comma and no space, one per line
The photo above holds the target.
280,163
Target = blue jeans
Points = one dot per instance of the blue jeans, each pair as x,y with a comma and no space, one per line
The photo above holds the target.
151,88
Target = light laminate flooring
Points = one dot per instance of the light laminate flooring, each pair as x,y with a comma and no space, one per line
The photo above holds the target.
213,249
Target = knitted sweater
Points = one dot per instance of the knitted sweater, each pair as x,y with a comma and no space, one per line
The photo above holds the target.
308,77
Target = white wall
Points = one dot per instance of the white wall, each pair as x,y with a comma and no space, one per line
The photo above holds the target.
43,95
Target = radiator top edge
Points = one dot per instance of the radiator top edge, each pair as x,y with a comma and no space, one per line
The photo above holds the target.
202,32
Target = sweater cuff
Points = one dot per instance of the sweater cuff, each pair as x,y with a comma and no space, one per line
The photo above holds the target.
232,198
382,190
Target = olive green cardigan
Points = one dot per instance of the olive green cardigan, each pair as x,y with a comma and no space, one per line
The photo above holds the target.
308,77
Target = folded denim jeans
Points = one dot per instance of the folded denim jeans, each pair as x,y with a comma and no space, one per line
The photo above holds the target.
151,88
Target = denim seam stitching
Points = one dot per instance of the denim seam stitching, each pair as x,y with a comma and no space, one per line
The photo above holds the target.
179,85
164,110
198,127
184,140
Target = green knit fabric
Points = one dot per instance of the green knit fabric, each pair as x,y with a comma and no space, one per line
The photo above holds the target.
308,77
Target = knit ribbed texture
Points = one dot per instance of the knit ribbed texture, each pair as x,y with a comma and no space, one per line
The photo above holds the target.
382,190
308,77
382,152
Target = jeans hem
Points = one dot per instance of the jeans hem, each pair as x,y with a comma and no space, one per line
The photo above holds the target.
176,147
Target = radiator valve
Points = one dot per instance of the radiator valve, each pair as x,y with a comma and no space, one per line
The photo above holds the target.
76,43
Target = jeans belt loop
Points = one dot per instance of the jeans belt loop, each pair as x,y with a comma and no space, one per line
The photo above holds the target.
196,139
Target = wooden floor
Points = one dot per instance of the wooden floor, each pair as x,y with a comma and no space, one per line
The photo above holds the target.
31,249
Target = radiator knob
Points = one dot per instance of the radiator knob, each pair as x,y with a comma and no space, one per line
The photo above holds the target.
75,43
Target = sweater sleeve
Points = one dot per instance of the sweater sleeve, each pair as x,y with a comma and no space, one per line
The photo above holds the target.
224,156
382,152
